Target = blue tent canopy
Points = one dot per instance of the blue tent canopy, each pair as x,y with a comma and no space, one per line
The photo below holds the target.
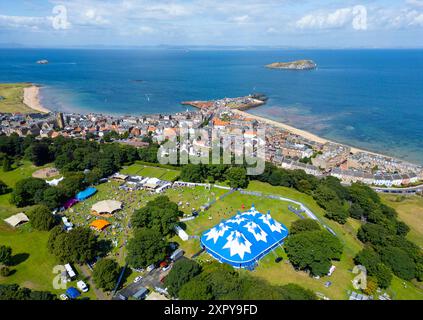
73,293
86,194
244,239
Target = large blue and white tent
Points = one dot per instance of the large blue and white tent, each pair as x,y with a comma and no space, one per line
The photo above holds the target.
244,239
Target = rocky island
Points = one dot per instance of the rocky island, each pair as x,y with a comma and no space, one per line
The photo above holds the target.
293,65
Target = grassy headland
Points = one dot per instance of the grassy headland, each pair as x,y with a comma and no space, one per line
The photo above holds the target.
12,98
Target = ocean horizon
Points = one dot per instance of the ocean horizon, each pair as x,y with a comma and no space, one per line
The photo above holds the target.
370,99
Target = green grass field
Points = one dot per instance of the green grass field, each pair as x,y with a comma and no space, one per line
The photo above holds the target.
12,101
154,172
33,265
24,169
410,210
35,268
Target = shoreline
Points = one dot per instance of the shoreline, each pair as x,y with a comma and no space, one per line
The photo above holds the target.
303,133
31,98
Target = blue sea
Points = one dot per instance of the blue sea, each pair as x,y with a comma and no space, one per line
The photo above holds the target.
371,99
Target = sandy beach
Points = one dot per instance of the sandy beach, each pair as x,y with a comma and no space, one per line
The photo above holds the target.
303,133
32,99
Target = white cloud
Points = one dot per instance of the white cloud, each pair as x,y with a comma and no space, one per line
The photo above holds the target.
240,19
407,18
415,3
340,18
23,22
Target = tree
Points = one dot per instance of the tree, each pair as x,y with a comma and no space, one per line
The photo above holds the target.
4,271
72,184
106,273
160,214
39,153
145,248
192,173
41,218
7,164
182,272
313,250
356,211
14,292
237,177
93,176
336,211
303,225
196,289
399,261
3,188
52,197
374,234
293,291
26,191
5,254
76,246
371,287
383,275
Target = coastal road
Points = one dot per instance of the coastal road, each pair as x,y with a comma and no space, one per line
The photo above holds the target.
409,190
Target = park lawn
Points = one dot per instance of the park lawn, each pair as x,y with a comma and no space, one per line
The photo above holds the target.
13,98
151,171
268,269
404,290
34,264
410,211
23,170
193,197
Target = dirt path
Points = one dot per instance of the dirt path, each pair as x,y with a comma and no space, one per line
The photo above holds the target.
87,273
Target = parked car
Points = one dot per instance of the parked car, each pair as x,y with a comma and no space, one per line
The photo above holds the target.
64,297
166,268
82,286
151,267
137,279
121,297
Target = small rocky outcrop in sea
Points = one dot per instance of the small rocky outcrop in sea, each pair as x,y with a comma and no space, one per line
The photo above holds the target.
44,61
294,65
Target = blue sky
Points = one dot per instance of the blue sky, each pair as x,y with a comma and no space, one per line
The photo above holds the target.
293,23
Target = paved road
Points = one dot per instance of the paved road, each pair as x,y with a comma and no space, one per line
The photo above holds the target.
152,280
399,190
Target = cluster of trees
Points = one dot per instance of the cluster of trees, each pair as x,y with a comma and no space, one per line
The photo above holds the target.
311,248
151,225
74,155
106,273
235,175
387,250
76,246
328,192
188,281
31,191
15,292
41,218
160,214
